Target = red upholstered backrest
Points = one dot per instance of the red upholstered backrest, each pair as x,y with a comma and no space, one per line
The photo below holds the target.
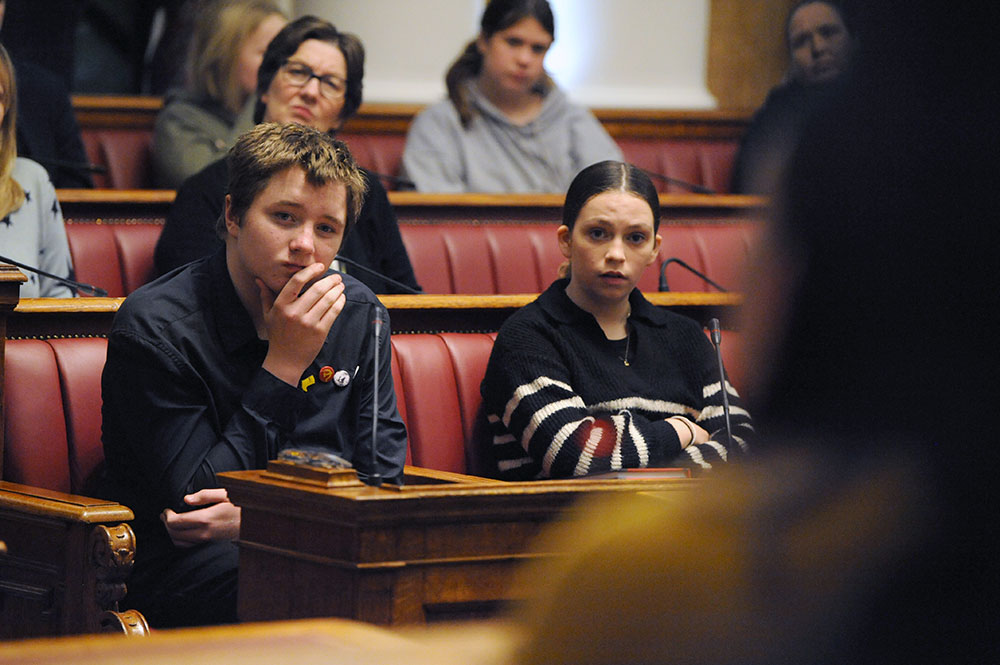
429,388
437,388
95,257
36,451
135,244
381,153
115,257
80,362
457,257
470,353
125,153
704,162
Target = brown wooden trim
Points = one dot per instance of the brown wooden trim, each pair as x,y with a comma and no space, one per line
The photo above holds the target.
139,112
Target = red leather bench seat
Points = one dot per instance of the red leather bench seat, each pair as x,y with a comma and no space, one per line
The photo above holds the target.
116,257
524,258
52,403
447,257
126,153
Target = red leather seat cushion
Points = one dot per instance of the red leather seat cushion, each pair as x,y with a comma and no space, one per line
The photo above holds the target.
81,362
35,450
430,390
95,256
135,244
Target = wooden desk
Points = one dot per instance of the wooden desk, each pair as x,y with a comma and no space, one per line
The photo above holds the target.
122,206
88,317
422,208
444,547
306,642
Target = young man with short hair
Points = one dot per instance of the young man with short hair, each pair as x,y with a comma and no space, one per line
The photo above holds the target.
254,349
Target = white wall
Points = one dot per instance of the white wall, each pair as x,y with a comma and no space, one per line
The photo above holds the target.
607,53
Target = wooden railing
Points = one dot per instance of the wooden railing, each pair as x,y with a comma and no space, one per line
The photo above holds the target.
139,112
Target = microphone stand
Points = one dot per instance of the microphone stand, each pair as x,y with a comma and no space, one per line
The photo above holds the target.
690,186
354,264
713,325
80,286
375,478
673,259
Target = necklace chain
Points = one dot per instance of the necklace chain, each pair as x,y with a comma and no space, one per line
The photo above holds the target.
628,334
628,338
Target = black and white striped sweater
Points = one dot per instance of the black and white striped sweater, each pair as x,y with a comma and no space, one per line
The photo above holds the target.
561,402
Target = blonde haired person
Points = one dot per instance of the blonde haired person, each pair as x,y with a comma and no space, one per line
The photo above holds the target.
199,123
31,223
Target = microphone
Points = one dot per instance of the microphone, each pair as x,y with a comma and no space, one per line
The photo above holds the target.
79,167
86,289
697,189
375,478
399,285
716,335
674,259
397,180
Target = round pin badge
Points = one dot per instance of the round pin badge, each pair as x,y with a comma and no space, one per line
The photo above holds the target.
341,378
326,373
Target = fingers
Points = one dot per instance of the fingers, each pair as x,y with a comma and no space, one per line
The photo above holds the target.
218,521
207,497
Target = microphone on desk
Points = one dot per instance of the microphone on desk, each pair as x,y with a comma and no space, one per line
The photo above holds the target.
674,259
690,186
79,167
375,478
86,289
716,334
354,264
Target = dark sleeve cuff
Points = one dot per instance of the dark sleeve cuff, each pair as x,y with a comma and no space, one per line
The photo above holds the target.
665,445
274,400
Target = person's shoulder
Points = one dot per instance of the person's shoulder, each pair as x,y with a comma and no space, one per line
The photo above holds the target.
209,177
356,292
525,327
180,104
155,306
438,113
30,174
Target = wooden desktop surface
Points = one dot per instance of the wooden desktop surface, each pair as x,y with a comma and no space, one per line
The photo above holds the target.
304,642
127,205
81,317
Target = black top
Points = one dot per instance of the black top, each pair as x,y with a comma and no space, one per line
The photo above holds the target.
560,401
374,241
185,396
47,131
769,141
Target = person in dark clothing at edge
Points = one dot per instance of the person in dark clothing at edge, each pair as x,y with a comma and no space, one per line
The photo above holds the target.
311,74
224,363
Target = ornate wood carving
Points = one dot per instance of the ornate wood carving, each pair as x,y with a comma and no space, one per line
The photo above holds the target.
130,622
112,551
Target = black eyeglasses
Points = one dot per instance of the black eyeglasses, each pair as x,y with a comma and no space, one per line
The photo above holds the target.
298,74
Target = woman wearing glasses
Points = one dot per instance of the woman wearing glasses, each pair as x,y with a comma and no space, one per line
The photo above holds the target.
311,74
199,123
